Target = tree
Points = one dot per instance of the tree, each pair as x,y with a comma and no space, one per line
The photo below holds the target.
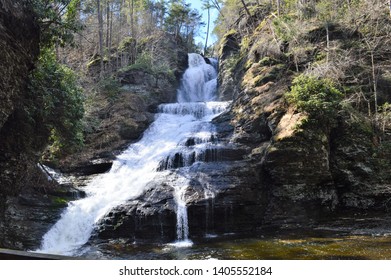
182,21
245,8
327,12
57,19
57,102
319,98
132,16
177,17
207,6
100,33
54,104
375,31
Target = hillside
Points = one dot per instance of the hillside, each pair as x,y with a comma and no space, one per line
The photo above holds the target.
311,89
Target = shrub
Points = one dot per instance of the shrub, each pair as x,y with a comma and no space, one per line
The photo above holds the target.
319,98
56,103
127,44
110,87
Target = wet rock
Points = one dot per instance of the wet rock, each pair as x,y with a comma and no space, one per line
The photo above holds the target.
90,168
148,218
219,199
19,43
27,217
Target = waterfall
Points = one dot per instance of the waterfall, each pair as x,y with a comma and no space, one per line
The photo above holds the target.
182,220
199,82
180,136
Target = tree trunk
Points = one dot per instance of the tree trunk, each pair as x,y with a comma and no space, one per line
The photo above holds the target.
327,42
111,31
120,56
245,7
108,35
107,24
132,57
132,19
374,82
207,32
216,5
100,22
278,7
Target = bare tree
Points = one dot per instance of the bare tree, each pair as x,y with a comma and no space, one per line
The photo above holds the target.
245,8
207,6
132,29
100,32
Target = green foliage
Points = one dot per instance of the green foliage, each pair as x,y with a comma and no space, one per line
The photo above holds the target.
127,44
147,62
268,61
58,20
232,62
183,21
284,27
58,103
109,87
245,44
319,98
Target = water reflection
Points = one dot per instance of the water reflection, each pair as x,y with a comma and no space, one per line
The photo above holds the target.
349,247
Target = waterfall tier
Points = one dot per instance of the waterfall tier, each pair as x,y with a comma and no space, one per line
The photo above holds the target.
199,82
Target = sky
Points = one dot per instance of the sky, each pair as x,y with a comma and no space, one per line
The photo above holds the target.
197,4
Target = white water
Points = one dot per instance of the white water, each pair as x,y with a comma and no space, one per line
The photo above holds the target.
139,164
182,225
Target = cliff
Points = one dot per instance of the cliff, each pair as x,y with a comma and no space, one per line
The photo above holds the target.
309,170
19,41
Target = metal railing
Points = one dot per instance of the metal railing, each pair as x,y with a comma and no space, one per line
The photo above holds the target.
8,254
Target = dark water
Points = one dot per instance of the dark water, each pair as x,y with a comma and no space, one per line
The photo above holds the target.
317,246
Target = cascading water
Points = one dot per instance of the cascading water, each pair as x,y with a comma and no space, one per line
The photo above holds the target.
180,136
182,220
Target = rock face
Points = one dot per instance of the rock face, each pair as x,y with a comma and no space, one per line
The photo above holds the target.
19,45
19,39
308,172
30,215
229,203
19,42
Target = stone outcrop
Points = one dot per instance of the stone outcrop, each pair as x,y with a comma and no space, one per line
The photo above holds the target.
28,216
19,43
220,199
308,172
